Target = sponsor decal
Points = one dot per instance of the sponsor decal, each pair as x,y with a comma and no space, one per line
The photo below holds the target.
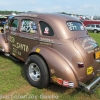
38,50
46,39
68,84
58,80
90,41
34,27
97,54
81,27
62,82
71,84
94,44
89,70
90,51
33,31
65,83
44,43
46,31
28,26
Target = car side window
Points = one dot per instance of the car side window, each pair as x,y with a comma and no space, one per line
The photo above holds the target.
14,25
46,29
98,26
92,25
88,26
28,26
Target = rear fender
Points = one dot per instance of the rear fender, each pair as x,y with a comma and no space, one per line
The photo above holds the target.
58,67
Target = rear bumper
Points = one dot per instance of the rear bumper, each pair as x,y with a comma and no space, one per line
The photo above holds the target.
92,86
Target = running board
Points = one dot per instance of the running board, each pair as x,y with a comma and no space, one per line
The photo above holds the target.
8,55
14,58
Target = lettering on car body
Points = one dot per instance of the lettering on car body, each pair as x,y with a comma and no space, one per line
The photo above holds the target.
92,43
22,47
18,45
11,39
46,39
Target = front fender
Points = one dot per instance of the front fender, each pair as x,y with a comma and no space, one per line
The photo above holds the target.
57,65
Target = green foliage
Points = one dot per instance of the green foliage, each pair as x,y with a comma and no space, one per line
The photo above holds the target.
96,37
8,12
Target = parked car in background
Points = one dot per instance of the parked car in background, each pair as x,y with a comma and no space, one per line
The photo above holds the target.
2,23
93,27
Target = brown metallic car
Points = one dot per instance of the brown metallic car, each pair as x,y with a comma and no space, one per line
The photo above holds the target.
55,48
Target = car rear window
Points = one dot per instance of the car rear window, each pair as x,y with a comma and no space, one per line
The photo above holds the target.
75,26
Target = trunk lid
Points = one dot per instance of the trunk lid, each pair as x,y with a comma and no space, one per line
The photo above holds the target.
90,53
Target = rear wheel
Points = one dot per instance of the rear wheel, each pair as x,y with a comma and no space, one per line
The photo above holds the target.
95,31
36,71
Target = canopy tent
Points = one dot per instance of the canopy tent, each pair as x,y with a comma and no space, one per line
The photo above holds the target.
2,20
1,16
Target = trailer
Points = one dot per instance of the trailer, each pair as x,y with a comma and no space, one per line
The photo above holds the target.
86,22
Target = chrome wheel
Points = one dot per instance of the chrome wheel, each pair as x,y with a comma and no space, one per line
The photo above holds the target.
34,72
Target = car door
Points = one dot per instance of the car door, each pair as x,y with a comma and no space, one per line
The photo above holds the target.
28,36
92,27
12,38
25,38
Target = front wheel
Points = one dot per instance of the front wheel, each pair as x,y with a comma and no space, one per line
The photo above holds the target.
95,31
36,71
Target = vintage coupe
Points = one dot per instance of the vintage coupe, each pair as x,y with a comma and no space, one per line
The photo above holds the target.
55,48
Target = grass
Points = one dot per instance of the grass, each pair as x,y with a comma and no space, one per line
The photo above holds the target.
14,86
95,36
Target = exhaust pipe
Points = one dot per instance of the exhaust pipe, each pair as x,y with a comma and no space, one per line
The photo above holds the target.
92,86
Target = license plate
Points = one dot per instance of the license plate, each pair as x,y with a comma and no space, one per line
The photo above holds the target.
89,70
97,55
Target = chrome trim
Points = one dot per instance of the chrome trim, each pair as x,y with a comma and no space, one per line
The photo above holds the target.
98,61
34,38
50,42
80,63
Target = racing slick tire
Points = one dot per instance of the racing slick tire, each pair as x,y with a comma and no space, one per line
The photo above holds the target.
36,71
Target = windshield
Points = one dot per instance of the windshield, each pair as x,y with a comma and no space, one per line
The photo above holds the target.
75,26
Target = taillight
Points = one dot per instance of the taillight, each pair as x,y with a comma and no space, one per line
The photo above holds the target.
80,65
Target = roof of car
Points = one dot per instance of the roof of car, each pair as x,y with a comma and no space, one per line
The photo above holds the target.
48,16
55,20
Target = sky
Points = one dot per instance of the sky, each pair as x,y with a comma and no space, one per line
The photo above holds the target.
81,7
